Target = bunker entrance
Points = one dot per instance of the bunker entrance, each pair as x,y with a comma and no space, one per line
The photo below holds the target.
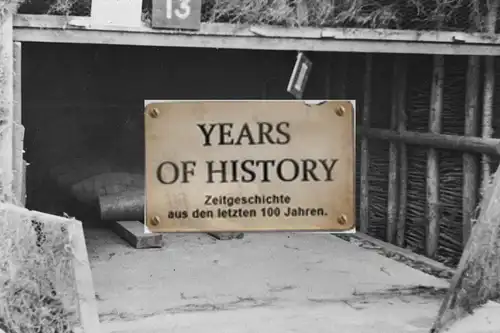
83,110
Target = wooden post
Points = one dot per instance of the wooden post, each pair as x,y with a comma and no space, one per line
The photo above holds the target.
432,179
343,75
18,131
393,193
6,105
401,69
328,76
470,161
489,86
489,90
364,195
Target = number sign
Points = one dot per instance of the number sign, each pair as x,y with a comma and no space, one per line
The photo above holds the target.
177,14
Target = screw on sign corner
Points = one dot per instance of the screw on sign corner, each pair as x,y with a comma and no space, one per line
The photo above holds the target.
342,219
340,110
155,220
154,113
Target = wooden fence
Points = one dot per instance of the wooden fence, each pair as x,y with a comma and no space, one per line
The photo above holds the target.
478,106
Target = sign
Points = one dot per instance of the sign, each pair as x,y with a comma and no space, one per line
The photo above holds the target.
176,14
300,74
122,13
235,166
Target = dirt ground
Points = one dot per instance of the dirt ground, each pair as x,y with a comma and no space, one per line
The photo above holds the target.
275,282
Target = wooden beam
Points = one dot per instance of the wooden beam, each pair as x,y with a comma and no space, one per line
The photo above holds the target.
134,232
392,186
6,106
400,104
438,141
364,199
432,178
62,29
409,256
127,205
470,161
18,131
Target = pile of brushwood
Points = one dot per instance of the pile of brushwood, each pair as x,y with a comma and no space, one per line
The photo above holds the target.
463,15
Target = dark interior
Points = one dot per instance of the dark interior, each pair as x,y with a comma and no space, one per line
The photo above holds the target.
83,104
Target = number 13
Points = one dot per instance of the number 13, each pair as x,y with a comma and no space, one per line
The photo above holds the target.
183,12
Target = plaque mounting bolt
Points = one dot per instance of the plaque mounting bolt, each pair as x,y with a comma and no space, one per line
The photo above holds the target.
154,113
340,110
342,219
155,220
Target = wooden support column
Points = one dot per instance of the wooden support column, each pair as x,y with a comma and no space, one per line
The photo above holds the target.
470,161
343,75
328,76
6,106
432,179
489,88
364,195
400,85
392,188
18,132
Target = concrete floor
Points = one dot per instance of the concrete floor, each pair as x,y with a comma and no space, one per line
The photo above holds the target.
278,283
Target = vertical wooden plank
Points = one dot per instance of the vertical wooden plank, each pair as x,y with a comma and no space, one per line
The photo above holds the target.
23,188
328,76
18,130
401,86
489,88
392,186
432,179
470,161
343,75
87,305
364,195
6,105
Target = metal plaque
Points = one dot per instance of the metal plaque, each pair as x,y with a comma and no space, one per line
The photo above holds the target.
229,166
